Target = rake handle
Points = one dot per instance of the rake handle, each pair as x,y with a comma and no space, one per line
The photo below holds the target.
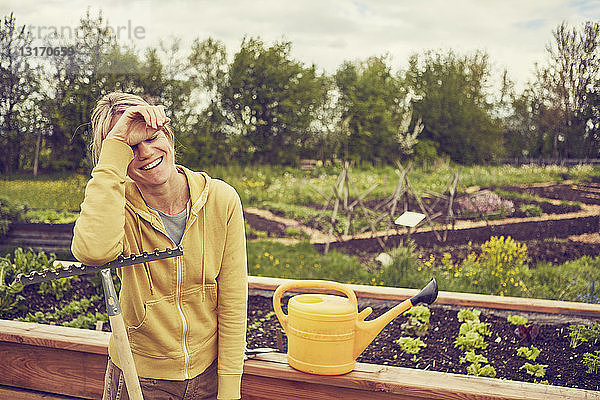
119,334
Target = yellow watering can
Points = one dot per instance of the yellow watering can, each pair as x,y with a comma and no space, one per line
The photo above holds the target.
326,333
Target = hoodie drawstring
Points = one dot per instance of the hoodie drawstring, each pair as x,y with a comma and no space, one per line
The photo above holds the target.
203,254
146,268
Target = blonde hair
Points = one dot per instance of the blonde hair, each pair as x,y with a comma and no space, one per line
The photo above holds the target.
107,107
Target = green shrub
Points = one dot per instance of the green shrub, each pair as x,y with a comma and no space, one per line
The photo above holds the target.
500,269
23,262
51,216
405,269
577,280
9,213
294,232
531,210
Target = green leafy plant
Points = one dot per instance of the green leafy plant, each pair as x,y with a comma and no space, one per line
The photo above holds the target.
72,309
23,262
475,367
536,370
9,287
259,322
592,362
410,345
472,357
470,341
478,370
468,315
481,328
418,321
516,320
472,331
530,353
584,333
86,321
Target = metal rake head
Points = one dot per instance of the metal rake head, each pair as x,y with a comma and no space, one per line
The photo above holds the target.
121,261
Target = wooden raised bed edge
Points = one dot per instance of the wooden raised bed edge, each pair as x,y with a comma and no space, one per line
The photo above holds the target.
454,298
55,362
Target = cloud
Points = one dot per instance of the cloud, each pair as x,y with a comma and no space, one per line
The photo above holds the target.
328,32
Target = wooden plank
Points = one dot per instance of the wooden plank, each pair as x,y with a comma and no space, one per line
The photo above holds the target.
77,373
454,298
54,370
369,381
57,337
12,393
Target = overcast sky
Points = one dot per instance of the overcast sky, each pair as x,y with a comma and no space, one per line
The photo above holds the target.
327,32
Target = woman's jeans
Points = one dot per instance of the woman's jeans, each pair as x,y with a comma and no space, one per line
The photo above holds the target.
204,386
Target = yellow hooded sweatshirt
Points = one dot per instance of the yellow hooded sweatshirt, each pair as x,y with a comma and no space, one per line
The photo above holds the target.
181,313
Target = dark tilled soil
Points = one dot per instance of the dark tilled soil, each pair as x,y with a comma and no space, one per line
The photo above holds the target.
564,363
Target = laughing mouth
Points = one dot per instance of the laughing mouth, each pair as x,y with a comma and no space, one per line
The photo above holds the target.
152,164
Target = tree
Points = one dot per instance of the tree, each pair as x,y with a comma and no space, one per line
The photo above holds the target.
374,111
77,81
328,129
207,142
270,102
571,78
449,93
19,82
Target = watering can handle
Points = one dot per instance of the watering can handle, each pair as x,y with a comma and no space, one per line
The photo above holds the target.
315,284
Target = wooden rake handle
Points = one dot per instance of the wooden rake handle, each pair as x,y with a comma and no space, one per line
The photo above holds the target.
120,339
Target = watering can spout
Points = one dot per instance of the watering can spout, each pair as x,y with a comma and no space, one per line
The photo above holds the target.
366,331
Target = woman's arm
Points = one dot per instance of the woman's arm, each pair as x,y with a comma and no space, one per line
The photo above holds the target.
232,304
99,230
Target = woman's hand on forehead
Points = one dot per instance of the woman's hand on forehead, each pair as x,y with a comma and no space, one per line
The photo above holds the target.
138,123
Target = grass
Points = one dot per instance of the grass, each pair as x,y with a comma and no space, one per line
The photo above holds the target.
292,186
58,192
303,261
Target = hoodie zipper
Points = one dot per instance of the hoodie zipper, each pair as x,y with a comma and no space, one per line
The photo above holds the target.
186,355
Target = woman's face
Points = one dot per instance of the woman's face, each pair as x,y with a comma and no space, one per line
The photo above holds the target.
154,158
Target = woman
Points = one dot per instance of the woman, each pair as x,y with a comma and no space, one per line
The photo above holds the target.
185,316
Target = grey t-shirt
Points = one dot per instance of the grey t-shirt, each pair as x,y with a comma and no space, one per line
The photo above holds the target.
174,224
